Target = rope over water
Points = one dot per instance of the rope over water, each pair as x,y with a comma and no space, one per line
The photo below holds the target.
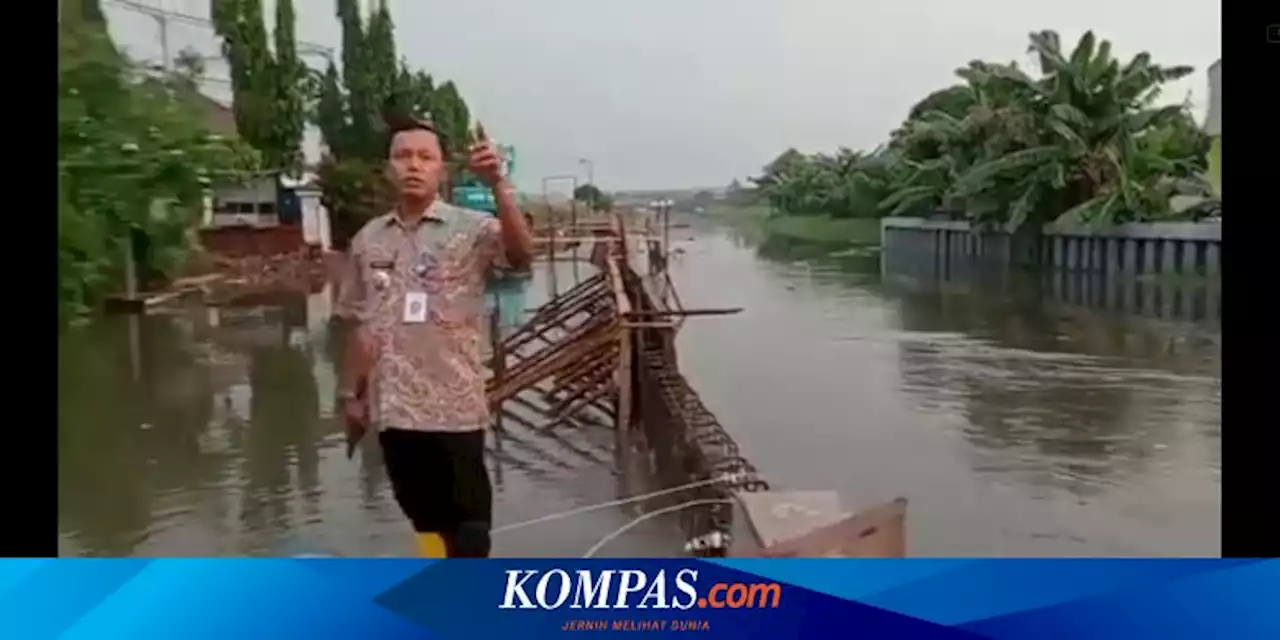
726,479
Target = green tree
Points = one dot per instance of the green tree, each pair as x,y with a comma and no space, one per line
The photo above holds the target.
134,161
591,195
1077,143
359,80
739,195
1083,141
453,118
269,109
352,107
330,110
845,184
290,76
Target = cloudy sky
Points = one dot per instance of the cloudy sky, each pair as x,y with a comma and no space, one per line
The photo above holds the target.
674,93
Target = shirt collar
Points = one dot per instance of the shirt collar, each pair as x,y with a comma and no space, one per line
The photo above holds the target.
432,214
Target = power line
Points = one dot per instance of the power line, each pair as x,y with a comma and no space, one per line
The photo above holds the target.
164,15
156,69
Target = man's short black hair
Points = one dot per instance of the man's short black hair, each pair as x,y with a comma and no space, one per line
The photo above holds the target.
397,126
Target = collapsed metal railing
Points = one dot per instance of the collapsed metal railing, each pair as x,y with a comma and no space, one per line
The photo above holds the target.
687,441
603,353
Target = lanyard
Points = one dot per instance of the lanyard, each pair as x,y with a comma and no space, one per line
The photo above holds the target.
422,263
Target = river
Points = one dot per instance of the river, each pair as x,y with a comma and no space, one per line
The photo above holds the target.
1014,427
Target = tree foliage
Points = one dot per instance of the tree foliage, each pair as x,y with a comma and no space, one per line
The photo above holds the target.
593,197
267,79
1082,141
352,105
134,162
736,194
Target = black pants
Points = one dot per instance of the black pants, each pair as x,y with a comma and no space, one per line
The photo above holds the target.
440,481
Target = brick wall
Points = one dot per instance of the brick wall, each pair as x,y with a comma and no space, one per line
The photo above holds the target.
238,242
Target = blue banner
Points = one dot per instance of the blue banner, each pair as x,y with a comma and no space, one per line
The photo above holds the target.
194,599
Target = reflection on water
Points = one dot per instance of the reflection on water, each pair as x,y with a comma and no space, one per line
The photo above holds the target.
1016,425
213,432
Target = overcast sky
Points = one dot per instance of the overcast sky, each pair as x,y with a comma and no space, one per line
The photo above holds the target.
675,93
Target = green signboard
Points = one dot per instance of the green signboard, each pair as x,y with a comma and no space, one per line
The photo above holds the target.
470,193
505,292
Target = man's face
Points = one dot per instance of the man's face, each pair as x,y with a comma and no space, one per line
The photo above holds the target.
416,163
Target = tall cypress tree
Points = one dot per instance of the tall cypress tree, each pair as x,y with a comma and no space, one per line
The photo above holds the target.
290,117
352,109
270,114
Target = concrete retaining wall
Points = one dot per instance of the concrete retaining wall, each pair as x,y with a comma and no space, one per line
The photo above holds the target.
1166,270
1166,248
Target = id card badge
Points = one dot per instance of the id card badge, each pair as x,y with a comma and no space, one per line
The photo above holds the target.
415,307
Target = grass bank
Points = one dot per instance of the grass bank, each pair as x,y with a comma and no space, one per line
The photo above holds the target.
823,229
816,229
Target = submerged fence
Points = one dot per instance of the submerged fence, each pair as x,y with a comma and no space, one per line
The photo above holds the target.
1165,270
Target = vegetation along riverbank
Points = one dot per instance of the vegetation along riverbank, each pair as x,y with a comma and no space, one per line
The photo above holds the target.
138,154
134,161
1081,139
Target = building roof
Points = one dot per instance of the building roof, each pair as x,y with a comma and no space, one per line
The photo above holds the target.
220,118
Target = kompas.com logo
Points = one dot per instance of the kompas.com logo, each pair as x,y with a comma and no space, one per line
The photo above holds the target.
631,588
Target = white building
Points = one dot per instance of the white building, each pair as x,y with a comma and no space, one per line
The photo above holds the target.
258,204
251,204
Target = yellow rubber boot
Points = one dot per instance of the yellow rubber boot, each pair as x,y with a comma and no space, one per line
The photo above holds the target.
431,545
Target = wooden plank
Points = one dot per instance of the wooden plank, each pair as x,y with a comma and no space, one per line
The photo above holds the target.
554,349
161,298
120,303
541,240
622,303
778,516
198,281
139,303
559,358
499,358
142,301
624,371
683,312
818,524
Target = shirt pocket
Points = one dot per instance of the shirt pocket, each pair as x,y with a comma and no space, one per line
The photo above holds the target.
378,275
456,288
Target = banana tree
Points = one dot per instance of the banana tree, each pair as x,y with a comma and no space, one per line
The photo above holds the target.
1082,161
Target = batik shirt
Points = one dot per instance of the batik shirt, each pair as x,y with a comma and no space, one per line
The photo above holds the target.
429,375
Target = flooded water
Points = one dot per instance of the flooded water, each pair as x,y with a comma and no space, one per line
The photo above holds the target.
1014,427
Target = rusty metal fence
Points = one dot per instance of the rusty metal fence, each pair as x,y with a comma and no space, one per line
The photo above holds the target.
686,440
605,350
603,354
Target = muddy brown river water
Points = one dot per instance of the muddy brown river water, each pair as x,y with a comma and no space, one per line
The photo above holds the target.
1015,427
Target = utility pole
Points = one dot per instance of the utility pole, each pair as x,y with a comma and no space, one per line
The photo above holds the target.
162,22
130,260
